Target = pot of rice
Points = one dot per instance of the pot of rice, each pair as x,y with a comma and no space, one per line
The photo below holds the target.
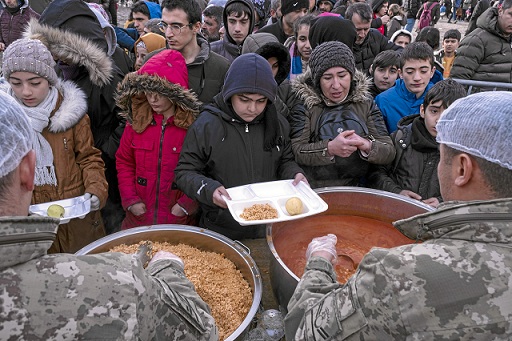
235,299
360,217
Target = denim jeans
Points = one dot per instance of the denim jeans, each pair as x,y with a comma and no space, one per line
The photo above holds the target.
410,24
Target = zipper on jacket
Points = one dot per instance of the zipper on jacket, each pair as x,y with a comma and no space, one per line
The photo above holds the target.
28,237
246,128
489,217
158,171
65,143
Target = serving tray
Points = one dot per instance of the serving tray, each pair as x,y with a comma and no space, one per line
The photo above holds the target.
76,207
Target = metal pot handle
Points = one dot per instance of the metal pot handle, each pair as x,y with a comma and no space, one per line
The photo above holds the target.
243,247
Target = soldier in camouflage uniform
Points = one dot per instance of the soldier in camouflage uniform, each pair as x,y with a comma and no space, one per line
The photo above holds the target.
456,284
65,297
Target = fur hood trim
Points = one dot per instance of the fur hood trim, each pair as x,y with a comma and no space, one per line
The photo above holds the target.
136,109
73,49
303,87
71,107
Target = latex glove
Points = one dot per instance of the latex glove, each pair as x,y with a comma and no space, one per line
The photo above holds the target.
167,255
324,247
95,201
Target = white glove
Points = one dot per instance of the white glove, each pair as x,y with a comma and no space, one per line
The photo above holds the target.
167,255
95,201
326,244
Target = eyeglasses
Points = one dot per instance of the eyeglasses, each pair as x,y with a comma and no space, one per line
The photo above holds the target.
175,28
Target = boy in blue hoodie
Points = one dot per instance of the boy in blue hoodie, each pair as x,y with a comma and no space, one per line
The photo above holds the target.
406,97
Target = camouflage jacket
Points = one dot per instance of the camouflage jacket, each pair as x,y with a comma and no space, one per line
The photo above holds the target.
107,296
456,285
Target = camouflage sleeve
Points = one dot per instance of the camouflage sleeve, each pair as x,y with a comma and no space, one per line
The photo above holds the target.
363,308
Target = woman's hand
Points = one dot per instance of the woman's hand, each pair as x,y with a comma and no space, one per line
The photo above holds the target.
298,178
346,143
217,197
137,209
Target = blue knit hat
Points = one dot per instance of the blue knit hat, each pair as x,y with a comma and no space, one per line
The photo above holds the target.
251,74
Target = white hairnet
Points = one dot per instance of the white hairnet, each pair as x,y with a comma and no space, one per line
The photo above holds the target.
15,134
480,125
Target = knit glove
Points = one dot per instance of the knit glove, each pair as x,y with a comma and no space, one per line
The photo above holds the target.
325,244
167,255
95,201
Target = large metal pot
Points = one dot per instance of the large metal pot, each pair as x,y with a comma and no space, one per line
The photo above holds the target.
382,207
202,239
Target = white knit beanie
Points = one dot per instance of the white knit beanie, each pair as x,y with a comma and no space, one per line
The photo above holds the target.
480,125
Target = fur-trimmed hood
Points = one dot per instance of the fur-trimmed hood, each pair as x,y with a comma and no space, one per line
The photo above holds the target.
303,87
73,49
132,99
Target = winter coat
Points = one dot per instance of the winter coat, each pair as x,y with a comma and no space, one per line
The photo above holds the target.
481,7
107,296
373,44
415,164
395,24
321,123
227,47
149,151
275,29
78,167
485,54
221,150
398,102
412,7
435,14
12,25
455,285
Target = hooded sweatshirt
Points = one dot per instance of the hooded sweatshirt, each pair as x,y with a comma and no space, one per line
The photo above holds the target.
221,149
13,21
227,47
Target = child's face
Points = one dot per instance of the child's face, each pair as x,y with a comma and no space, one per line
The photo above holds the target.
385,77
141,54
29,88
274,65
431,115
160,104
303,44
248,106
403,40
416,74
383,10
450,45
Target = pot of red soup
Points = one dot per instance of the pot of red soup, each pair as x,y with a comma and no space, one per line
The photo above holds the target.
235,295
361,218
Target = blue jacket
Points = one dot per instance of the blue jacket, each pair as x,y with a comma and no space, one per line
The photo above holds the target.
398,102
126,37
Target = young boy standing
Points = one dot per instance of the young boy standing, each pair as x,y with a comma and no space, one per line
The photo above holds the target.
406,97
446,55
413,173
384,71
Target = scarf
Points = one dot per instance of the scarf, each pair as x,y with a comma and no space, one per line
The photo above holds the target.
39,117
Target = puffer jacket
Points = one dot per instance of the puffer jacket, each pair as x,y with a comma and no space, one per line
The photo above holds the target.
222,150
373,44
227,47
150,148
415,164
311,133
12,25
78,167
485,54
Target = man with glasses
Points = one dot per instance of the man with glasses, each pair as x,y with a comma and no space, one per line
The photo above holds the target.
181,24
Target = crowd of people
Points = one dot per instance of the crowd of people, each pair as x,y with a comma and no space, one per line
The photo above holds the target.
154,119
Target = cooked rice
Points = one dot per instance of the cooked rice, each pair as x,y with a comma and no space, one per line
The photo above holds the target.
216,279
259,212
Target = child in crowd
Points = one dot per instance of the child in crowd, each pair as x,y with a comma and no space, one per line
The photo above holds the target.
237,140
14,18
414,170
446,55
384,71
405,98
299,46
147,43
397,20
159,108
67,163
402,38
431,36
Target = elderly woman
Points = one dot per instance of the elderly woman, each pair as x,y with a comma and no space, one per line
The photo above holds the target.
343,130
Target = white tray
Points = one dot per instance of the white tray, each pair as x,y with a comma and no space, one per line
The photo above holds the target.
274,193
76,207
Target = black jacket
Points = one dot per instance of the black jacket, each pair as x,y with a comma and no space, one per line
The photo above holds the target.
275,29
415,164
373,44
221,150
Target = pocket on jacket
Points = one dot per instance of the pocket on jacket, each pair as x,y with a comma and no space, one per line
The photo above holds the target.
142,150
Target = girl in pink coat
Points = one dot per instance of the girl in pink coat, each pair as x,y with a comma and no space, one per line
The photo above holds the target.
159,108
